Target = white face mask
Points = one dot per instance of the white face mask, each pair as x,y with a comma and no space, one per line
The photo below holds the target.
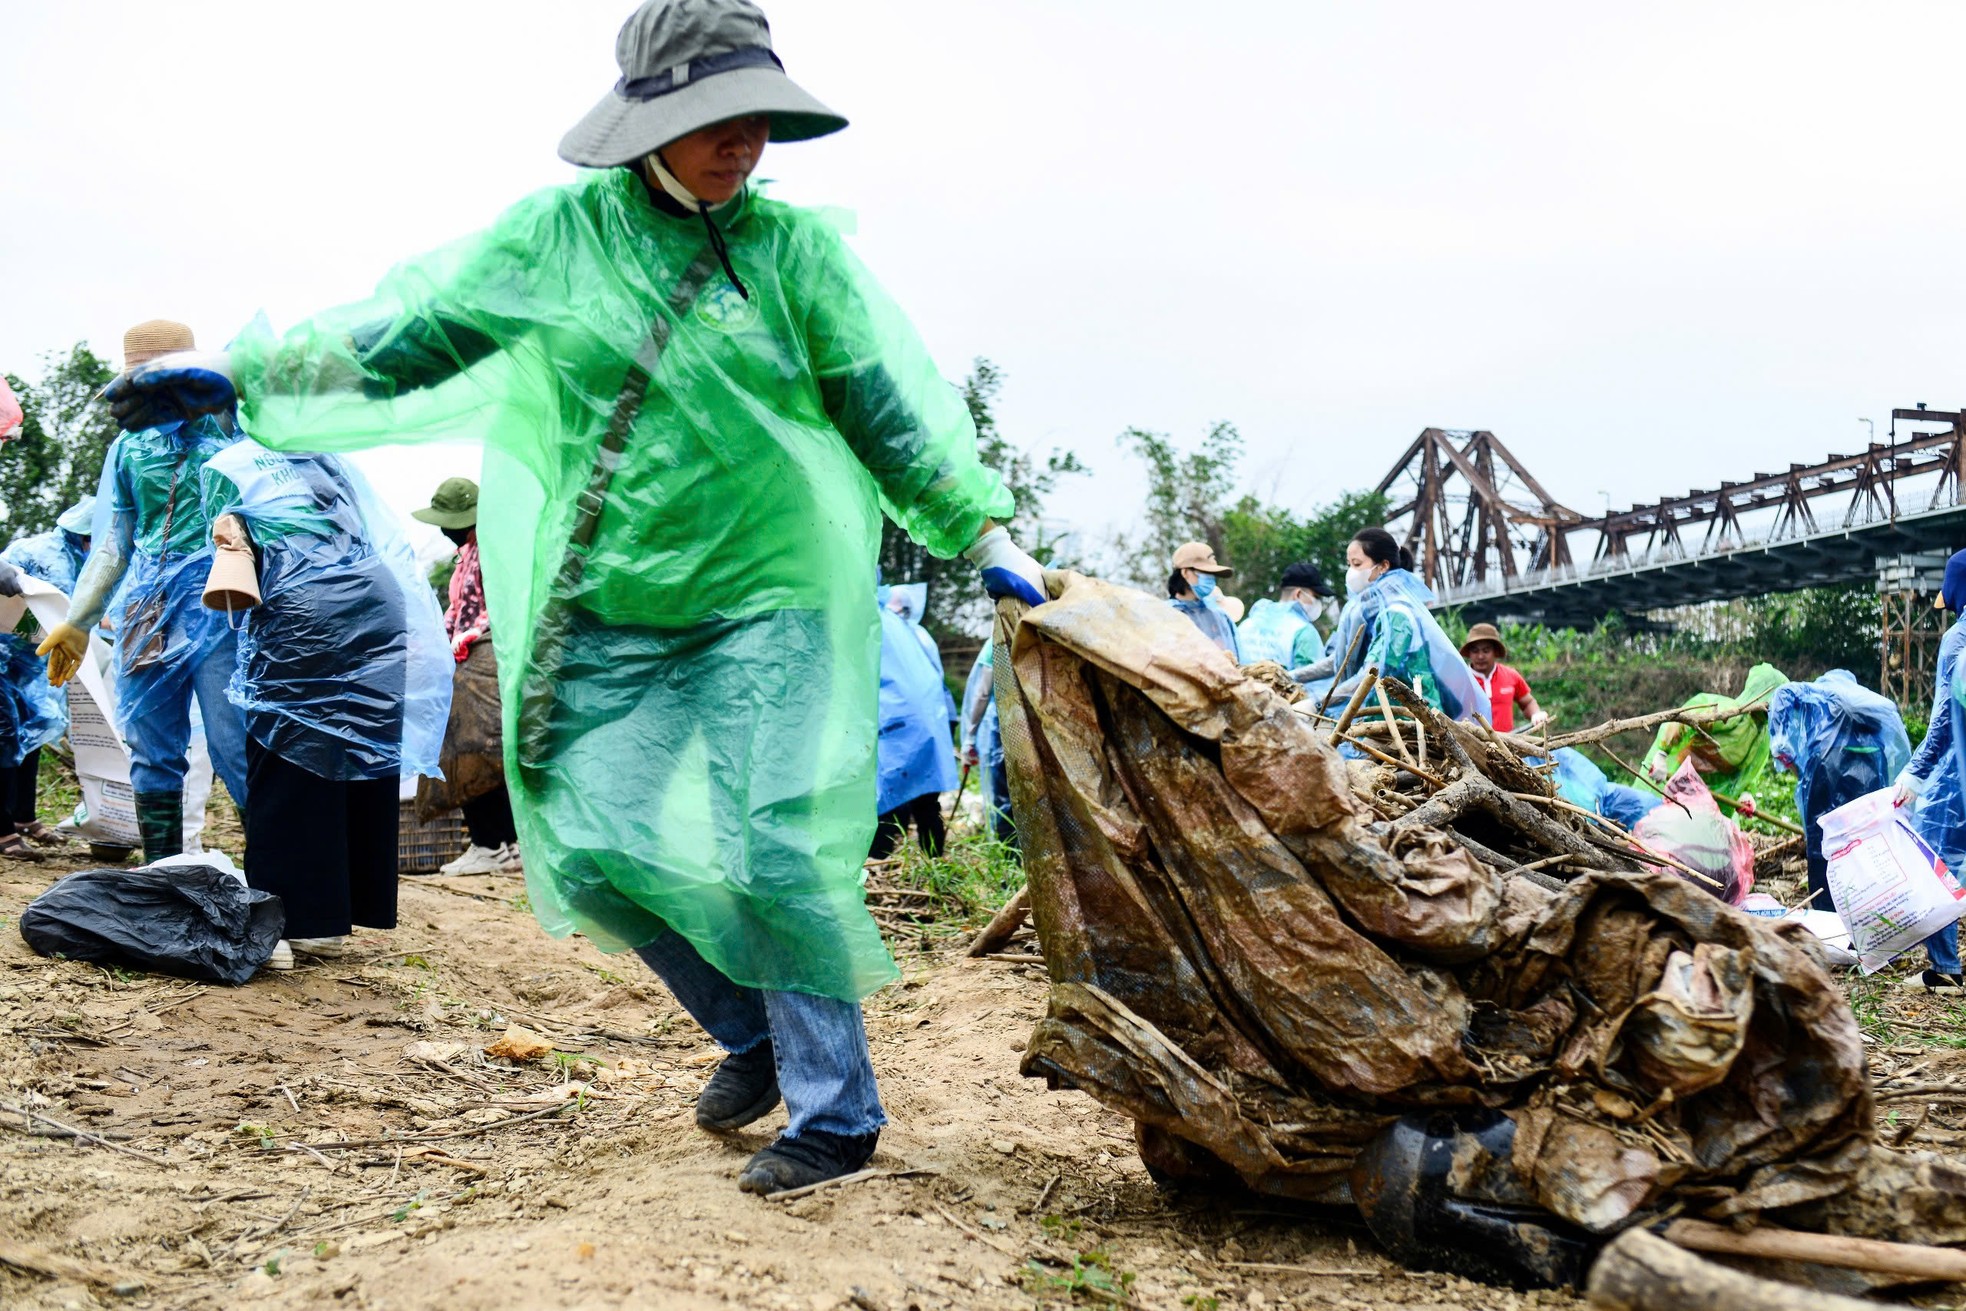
1357,579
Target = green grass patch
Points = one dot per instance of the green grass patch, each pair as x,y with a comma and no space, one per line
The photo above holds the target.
973,876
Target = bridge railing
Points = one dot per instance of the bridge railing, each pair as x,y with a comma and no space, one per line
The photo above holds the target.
1861,514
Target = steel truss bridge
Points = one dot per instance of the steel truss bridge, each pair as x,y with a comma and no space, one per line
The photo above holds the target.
1490,539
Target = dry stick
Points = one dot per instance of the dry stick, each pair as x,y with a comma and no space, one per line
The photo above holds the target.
842,1181
1359,693
554,1109
1916,1260
1004,924
49,1265
1392,727
1350,1273
1923,1090
1385,759
1640,1271
1691,718
1775,820
83,1135
1338,672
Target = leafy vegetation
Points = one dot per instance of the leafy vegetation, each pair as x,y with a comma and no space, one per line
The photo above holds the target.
953,604
65,434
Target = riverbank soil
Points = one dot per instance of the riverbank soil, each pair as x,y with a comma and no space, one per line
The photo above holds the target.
338,1137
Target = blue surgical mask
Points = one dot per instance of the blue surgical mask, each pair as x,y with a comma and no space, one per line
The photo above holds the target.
1204,586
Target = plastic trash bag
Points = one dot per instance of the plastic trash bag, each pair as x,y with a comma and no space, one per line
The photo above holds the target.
1689,827
195,921
1891,890
1580,782
344,668
1242,963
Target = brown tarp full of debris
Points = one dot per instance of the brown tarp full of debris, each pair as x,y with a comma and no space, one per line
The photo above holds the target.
1247,961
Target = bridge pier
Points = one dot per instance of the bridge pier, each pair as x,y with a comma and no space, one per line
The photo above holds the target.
1910,626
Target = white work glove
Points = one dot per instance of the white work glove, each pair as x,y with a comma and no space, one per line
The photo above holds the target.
1540,718
1909,789
1007,569
172,388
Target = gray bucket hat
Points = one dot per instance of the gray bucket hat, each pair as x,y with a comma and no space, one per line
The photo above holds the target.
686,64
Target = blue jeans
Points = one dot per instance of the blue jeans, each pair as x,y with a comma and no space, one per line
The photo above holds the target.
819,1043
160,739
1943,948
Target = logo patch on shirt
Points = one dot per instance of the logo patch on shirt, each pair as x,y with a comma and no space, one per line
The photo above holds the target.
723,308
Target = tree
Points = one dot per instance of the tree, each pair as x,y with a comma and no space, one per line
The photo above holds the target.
65,434
1262,540
1187,499
954,598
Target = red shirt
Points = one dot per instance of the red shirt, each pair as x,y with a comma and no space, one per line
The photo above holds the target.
1504,687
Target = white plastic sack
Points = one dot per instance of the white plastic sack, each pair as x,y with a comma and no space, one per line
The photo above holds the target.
1891,890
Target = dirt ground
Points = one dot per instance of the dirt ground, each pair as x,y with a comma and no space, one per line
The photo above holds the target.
337,1137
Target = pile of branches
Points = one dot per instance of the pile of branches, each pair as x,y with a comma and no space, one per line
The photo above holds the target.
1490,791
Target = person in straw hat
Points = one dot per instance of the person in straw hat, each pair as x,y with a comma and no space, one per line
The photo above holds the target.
1505,689
345,677
152,540
696,405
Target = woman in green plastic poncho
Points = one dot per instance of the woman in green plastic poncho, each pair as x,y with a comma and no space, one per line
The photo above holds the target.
695,406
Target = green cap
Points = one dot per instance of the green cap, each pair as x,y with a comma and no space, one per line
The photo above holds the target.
454,506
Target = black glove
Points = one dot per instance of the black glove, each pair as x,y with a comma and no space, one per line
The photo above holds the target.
9,580
175,388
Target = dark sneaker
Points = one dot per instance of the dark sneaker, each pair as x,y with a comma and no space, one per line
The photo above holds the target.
744,1087
812,1158
1933,981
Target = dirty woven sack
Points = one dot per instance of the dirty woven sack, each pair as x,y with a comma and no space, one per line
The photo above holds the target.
473,755
1267,977
189,920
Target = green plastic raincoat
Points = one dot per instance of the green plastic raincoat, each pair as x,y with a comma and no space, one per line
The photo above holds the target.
679,517
1732,755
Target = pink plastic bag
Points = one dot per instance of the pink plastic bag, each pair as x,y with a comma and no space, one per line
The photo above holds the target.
1690,828
10,412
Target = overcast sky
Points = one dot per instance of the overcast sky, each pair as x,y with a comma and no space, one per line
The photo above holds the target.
1650,246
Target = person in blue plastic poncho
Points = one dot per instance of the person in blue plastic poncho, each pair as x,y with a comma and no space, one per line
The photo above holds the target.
917,754
32,713
1194,589
1285,630
983,743
344,675
151,551
695,405
1386,623
1934,783
1842,741
910,601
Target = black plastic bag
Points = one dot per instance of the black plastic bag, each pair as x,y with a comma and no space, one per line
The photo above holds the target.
189,920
